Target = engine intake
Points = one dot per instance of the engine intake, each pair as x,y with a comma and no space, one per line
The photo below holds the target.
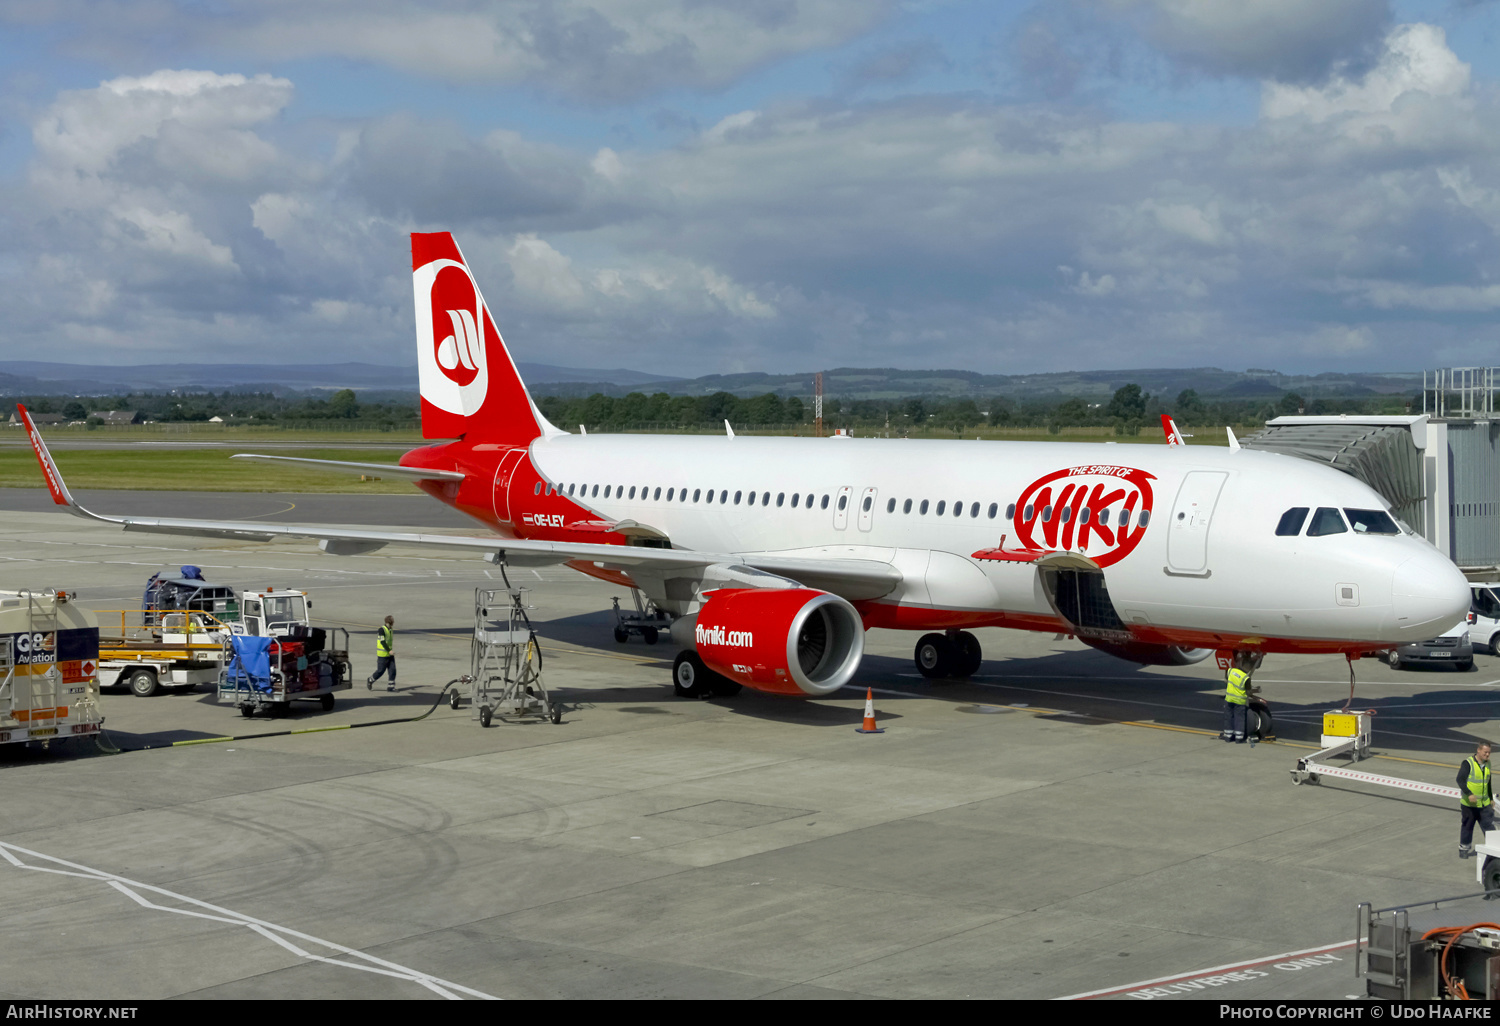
792,641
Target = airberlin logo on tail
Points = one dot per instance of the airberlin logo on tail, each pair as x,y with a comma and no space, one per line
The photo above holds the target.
722,638
1100,511
453,334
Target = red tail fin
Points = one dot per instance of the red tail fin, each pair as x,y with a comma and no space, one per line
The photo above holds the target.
469,384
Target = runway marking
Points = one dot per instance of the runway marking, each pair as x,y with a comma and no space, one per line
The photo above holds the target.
1218,969
277,934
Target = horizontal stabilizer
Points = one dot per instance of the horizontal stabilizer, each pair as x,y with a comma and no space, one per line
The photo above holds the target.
393,470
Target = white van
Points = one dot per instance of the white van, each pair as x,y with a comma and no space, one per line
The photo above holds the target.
1484,615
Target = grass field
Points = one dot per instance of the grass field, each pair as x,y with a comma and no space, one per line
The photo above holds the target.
196,470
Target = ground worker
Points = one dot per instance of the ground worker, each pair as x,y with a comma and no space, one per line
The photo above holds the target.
1236,699
385,654
1474,799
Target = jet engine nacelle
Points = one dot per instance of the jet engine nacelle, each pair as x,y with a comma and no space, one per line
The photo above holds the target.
1150,655
791,641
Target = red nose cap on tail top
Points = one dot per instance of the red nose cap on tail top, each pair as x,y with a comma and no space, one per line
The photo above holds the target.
869,727
470,386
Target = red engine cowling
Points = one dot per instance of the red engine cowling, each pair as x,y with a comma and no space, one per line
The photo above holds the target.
792,641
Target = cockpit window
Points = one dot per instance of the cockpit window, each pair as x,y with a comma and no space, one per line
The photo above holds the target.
1326,521
1292,521
1371,521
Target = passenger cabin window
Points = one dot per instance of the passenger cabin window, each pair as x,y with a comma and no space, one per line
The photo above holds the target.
923,509
1065,514
657,493
737,496
824,503
749,498
1371,521
865,508
941,506
1030,512
843,501
1046,514
906,506
1084,514
632,492
669,495
1010,510
890,505
765,499
994,508
710,496
1143,519
795,497
1104,516
724,496
696,492
1291,522
958,508
780,498
537,490
1326,521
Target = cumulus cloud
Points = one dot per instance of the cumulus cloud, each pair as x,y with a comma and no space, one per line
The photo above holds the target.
601,51
1355,214
1286,40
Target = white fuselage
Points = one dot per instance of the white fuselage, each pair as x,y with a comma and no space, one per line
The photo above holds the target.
1208,565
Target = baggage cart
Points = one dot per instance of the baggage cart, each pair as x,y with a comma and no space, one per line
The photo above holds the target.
266,675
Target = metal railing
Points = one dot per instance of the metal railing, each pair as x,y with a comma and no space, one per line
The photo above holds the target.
1461,392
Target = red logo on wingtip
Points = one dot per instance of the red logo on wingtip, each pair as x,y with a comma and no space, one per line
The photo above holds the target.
1094,510
457,323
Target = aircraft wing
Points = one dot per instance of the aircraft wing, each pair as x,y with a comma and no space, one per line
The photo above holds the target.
850,578
348,467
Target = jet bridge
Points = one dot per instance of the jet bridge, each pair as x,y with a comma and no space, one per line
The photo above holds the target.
1440,474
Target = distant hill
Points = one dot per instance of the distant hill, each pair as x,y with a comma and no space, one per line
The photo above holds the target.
24,377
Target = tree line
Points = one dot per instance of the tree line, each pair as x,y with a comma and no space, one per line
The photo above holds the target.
1128,410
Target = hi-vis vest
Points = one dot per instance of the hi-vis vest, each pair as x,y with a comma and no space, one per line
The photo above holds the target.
384,639
1234,691
1477,794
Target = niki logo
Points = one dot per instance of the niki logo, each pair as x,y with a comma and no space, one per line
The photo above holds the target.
453,330
1100,511
719,636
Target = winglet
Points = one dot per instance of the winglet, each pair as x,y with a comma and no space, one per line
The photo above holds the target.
53,476
1169,428
1234,443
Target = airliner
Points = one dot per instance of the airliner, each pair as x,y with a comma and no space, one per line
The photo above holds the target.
774,555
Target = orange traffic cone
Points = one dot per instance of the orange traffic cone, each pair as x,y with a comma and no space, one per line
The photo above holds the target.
869,727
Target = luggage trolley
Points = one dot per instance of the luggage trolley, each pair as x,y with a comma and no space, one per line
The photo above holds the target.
506,661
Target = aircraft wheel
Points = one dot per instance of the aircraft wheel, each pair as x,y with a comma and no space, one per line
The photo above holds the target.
648,635
143,683
621,634
967,655
933,656
690,678
1261,727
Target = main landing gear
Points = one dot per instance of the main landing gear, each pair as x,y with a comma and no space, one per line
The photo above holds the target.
954,654
691,679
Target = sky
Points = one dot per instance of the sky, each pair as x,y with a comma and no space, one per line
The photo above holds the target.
717,186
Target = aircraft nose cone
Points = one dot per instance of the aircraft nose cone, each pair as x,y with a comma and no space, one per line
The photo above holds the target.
1428,595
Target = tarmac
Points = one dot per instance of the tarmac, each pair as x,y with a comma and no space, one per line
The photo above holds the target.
1062,824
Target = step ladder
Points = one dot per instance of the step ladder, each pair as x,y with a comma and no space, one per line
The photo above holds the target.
506,661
